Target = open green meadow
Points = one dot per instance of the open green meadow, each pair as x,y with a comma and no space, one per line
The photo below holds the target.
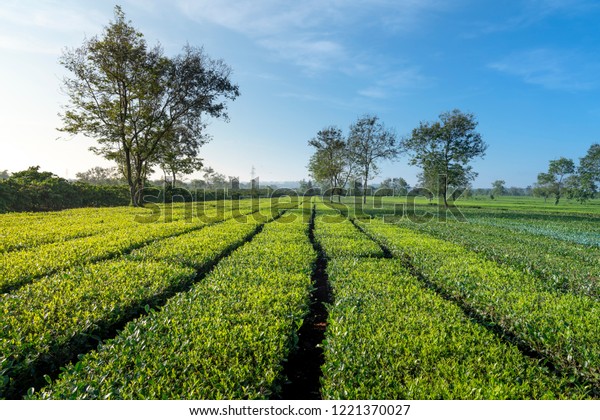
493,299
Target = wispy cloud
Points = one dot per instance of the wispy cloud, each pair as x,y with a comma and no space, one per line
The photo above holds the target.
562,6
310,33
310,52
42,26
269,17
531,12
52,15
551,69
347,102
28,44
255,18
396,82
408,15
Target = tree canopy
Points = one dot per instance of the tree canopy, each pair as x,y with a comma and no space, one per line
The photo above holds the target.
498,188
101,176
370,142
337,160
589,171
397,186
136,102
553,181
331,165
179,154
443,150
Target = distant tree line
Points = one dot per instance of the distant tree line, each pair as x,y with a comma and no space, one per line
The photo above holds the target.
35,190
499,189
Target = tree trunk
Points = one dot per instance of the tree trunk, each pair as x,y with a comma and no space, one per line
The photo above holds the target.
139,192
132,193
138,184
365,186
129,177
446,190
443,188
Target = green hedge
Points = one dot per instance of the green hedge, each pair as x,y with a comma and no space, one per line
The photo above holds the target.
69,307
58,194
564,265
389,338
338,237
224,339
49,322
21,267
562,327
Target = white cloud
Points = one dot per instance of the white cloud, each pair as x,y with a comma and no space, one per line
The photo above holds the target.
374,92
560,6
51,15
28,44
43,27
311,53
294,31
267,17
531,12
408,15
310,33
551,69
255,18
396,82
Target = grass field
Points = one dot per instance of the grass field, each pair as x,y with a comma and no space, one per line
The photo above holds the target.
496,299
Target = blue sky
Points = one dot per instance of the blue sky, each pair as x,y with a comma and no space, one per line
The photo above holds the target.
529,70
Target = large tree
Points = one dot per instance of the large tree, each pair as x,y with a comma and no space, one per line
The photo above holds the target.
498,188
214,179
330,165
398,186
554,180
178,154
434,179
130,97
443,149
589,171
370,142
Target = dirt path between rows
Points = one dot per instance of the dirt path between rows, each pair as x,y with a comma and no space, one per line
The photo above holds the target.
303,368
